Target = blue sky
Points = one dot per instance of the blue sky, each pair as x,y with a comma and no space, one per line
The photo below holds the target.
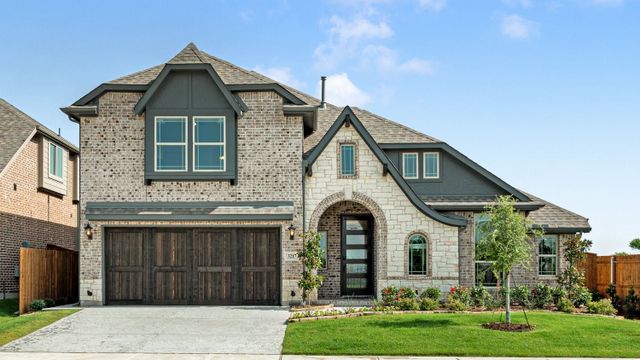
545,94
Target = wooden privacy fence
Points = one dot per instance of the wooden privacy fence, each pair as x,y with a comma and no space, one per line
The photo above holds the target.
47,274
622,271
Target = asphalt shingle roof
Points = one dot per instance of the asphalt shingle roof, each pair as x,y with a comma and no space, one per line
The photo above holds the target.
554,216
15,128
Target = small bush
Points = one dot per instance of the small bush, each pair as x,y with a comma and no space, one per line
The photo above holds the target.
391,295
37,305
558,294
520,295
49,302
460,293
428,304
565,305
602,307
408,304
580,296
492,303
541,296
479,296
455,304
596,295
631,305
431,293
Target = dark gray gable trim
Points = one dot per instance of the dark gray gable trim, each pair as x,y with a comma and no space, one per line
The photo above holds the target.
562,230
480,207
101,89
465,160
233,100
268,87
348,117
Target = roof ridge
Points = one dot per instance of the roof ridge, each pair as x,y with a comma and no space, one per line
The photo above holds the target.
398,124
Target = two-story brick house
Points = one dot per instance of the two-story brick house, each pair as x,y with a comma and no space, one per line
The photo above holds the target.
195,174
38,191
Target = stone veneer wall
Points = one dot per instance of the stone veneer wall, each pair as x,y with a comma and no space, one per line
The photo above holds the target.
520,276
395,216
112,169
330,222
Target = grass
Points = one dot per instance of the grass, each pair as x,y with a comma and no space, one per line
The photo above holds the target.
13,327
555,334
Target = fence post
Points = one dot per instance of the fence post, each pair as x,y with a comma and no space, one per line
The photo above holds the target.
612,277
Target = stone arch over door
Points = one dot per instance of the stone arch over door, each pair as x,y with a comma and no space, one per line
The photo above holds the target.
380,227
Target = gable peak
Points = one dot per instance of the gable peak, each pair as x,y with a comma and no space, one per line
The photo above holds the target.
189,55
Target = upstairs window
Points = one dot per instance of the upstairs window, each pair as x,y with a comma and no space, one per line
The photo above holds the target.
417,255
410,165
431,165
56,156
171,143
347,160
208,144
548,255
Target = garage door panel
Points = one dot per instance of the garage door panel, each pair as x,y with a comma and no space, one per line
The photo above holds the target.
259,266
171,266
213,266
124,262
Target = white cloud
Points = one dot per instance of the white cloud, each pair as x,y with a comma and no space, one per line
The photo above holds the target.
280,74
517,27
386,59
433,5
523,3
340,90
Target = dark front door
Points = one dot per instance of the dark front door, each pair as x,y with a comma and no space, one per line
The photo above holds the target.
357,255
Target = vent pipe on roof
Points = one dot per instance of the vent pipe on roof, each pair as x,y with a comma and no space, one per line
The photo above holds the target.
323,104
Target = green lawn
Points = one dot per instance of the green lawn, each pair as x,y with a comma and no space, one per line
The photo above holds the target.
556,334
13,327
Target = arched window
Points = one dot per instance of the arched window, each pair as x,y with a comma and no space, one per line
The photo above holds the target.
417,255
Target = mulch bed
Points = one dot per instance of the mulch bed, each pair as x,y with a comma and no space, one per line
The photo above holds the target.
508,327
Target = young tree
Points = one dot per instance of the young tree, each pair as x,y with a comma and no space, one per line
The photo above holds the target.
571,279
311,257
507,241
635,244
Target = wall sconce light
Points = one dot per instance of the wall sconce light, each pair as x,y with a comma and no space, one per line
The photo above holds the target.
88,230
292,231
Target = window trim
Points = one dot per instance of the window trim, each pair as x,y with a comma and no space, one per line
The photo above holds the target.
355,171
426,255
404,171
556,255
424,164
185,144
224,143
58,150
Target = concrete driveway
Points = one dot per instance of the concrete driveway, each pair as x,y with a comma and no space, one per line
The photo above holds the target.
162,329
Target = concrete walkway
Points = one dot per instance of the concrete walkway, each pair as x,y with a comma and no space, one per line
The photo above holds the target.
158,329
138,356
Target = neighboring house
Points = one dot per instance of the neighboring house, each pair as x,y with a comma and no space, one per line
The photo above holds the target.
38,191
195,172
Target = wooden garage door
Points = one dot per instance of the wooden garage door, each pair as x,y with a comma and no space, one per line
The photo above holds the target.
205,266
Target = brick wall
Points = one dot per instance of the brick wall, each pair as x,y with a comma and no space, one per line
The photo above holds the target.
112,169
395,216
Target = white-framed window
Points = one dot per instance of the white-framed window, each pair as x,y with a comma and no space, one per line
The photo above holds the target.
548,255
431,165
209,150
56,158
323,245
170,143
410,165
347,159
417,255
484,274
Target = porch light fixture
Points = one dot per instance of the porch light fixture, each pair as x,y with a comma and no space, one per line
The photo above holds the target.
88,230
292,231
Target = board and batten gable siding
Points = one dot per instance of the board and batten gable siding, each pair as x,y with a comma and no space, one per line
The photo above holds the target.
401,217
269,148
59,186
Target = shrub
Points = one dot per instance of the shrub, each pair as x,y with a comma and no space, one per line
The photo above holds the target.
460,293
520,295
408,304
613,295
428,304
492,302
431,293
455,304
391,295
596,295
631,305
37,305
49,302
541,296
565,305
479,296
558,294
602,307
580,296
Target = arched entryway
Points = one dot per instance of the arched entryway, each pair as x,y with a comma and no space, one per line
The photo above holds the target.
353,231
